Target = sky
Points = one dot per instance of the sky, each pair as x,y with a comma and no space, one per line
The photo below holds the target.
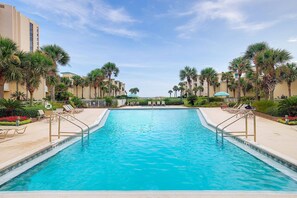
152,40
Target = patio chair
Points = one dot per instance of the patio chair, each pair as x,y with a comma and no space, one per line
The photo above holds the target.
163,103
158,103
49,114
4,130
41,113
76,110
59,111
153,103
149,103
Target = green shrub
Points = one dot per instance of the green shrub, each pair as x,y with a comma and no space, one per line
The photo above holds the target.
201,101
216,99
191,99
174,101
263,105
232,104
247,99
14,123
288,106
273,111
77,102
108,101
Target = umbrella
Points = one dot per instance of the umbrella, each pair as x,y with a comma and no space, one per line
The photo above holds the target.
221,93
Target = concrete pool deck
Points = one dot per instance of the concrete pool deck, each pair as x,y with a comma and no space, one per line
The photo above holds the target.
36,137
277,138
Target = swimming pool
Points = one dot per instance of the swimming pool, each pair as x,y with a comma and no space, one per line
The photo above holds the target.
152,150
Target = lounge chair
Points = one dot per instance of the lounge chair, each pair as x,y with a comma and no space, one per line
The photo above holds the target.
4,130
153,103
59,111
163,103
149,103
158,103
49,114
234,110
76,110
41,113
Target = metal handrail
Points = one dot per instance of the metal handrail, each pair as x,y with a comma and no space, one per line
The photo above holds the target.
59,127
224,122
81,123
245,115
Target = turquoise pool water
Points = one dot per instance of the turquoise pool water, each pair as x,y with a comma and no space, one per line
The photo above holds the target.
152,150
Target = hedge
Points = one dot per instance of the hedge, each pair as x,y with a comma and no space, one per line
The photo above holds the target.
29,112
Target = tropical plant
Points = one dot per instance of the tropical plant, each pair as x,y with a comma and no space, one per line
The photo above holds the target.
175,89
288,106
17,95
240,65
59,57
269,60
170,92
77,80
66,81
192,99
287,73
227,76
195,89
206,75
251,54
214,82
181,88
110,69
9,63
37,65
10,105
95,77
84,83
200,89
232,86
61,92
134,90
189,74
246,86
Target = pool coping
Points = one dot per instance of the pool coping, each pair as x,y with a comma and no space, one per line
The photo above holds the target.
18,167
260,149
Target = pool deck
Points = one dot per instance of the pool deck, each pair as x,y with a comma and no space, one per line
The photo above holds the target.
13,149
277,138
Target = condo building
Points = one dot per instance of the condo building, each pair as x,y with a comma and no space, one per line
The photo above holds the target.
25,33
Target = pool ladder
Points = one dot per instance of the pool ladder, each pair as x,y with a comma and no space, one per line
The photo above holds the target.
65,117
237,133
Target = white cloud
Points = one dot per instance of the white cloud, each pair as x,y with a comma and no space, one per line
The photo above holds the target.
229,11
292,40
87,15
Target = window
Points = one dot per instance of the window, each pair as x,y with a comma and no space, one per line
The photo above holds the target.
37,37
31,37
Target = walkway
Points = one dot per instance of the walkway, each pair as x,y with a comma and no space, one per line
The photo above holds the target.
36,137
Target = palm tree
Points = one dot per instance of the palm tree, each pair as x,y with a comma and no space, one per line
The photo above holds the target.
240,65
110,69
195,89
200,89
245,85
227,76
96,76
232,86
52,81
9,63
214,82
207,74
134,90
170,92
115,89
188,74
84,83
287,73
251,53
59,57
269,60
37,65
175,89
76,82
66,81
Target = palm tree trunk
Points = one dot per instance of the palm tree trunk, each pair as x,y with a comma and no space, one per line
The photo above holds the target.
82,92
90,90
239,88
208,89
95,94
52,93
31,97
289,89
76,91
109,86
2,82
227,82
256,83
271,95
